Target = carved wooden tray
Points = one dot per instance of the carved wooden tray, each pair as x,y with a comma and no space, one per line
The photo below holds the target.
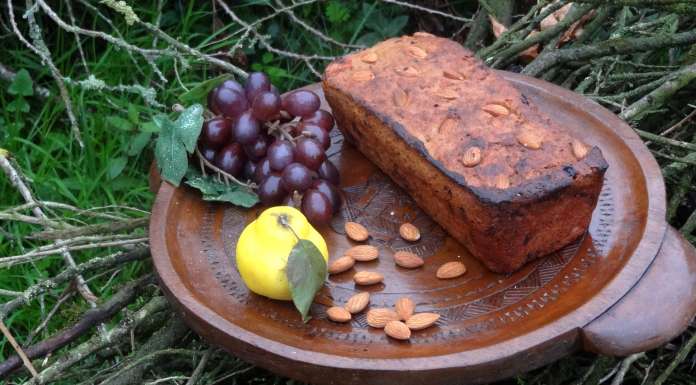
627,286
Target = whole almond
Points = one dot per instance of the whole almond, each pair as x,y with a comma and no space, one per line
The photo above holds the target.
451,270
529,139
338,314
421,321
378,318
363,253
400,97
501,181
369,57
409,232
453,75
363,76
408,260
358,302
496,109
397,330
404,307
407,71
368,277
579,149
472,156
417,52
341,264
356,231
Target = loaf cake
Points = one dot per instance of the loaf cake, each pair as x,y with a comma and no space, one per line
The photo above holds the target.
473,152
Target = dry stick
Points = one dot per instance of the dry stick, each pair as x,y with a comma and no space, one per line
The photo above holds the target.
608,47
98,342
71,15
8,75
171,333
625,365
634,2
506,56
284,9
22,356
680,123
16,180
90,318
661,94
428,10
198,372
67,274
51,313
681,356
98,228
42,51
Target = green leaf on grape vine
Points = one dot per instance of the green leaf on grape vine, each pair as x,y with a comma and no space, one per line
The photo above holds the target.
213,190
198,93
176,140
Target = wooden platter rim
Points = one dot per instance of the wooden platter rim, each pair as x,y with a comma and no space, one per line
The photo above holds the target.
571,323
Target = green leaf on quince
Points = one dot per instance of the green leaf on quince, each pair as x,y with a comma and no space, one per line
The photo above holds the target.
306,272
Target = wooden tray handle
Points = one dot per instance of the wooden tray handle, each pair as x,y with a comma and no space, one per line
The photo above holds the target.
657,309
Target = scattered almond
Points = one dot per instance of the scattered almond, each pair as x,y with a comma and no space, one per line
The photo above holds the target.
421,321
417,52
472,156
496,109
356,231
447,125
423,34
363,76
400,98
341,264
453,75
579,149
338,314
407,71
358,302
378,318
502,181
404,307
363,253
407,260
529,139
367,277
449,270
447,94
409,232
369,57
397,330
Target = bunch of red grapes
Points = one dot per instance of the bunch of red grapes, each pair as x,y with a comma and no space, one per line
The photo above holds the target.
277,142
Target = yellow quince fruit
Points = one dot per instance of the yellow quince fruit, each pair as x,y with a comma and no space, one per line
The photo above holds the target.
264,246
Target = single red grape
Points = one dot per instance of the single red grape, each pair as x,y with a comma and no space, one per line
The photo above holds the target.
316,207
249,170
317,133
271,191
233,85
328,171
321,118
212,95
296,177
310,153
230,103
280,154
256,83
301,103
217,132
266,105
230,159
263,170
207,151
257,149
246,129
330,191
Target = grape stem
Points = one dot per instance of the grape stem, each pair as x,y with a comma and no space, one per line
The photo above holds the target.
225,176
281,129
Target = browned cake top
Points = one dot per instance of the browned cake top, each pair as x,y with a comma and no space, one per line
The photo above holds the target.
468,117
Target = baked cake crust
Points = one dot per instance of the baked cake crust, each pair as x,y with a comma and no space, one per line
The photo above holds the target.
473,152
